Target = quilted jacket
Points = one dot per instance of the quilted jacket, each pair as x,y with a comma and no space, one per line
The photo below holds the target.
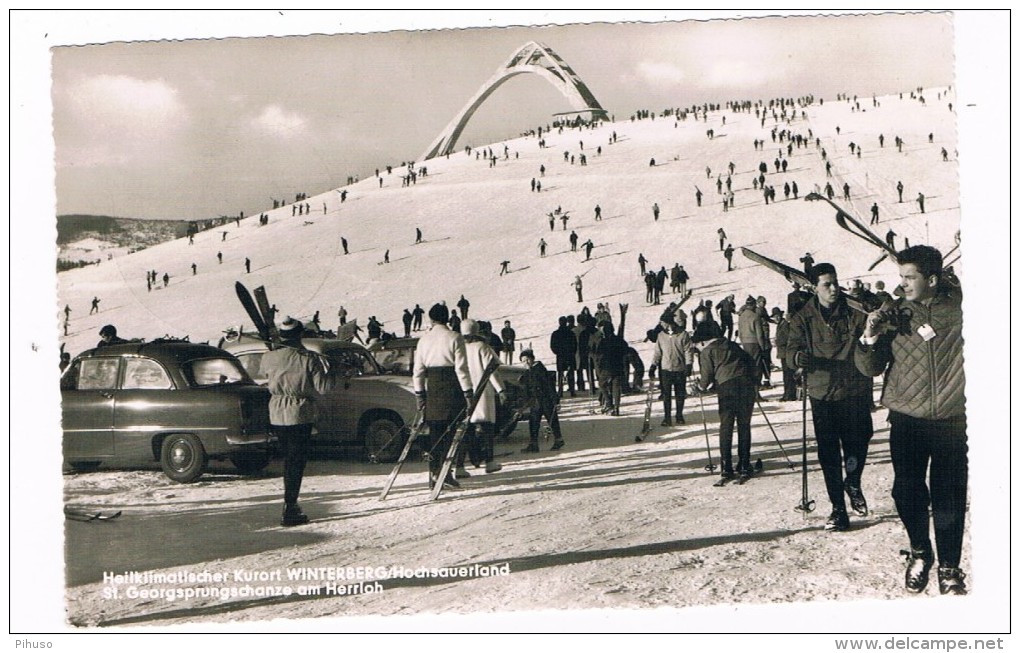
925,378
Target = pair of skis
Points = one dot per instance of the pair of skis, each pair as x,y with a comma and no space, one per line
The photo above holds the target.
459,427
794,275
646,425
79,514
259,311
856,227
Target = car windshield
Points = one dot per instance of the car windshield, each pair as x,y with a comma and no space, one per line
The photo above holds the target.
214,371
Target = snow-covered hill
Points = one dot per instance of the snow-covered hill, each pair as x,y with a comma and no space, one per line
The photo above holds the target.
606,523
473,216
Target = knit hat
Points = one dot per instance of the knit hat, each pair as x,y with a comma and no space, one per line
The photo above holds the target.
291,329
439,313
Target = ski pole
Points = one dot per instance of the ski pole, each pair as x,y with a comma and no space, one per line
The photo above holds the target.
788,461
710,467
806,505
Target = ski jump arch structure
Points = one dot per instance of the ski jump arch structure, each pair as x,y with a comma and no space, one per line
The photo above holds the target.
534,58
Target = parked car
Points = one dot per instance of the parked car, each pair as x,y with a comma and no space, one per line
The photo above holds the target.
396,356
367,409
175,402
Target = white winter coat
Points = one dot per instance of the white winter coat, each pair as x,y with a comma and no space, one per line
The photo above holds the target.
480,355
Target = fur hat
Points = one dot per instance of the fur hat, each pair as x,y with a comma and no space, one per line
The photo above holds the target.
291,329
439,313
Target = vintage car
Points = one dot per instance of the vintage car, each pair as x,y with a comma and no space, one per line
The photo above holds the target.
367,408
396,356
175,402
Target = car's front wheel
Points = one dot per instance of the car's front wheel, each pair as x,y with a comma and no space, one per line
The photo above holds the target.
250,462
384,440
183,457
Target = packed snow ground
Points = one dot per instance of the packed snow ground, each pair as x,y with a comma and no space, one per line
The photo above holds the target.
603,523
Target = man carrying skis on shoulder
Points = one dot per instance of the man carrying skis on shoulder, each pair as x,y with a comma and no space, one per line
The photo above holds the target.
919,347
821,343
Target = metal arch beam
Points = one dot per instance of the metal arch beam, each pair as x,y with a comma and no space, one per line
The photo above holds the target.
532,58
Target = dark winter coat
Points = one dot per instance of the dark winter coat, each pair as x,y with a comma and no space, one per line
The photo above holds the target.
537,390
925,378
782,337
828,338
722,361
610,353
563,344
509,338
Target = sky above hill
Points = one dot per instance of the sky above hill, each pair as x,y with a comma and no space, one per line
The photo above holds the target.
213,126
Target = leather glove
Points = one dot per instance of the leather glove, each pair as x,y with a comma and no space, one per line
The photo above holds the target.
468,396
651,371
419,398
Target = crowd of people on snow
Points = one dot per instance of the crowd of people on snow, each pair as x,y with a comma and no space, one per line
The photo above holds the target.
829,344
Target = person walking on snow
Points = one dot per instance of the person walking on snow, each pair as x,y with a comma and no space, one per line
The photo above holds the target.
539,401
730,370
922,361
297,379
822,339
